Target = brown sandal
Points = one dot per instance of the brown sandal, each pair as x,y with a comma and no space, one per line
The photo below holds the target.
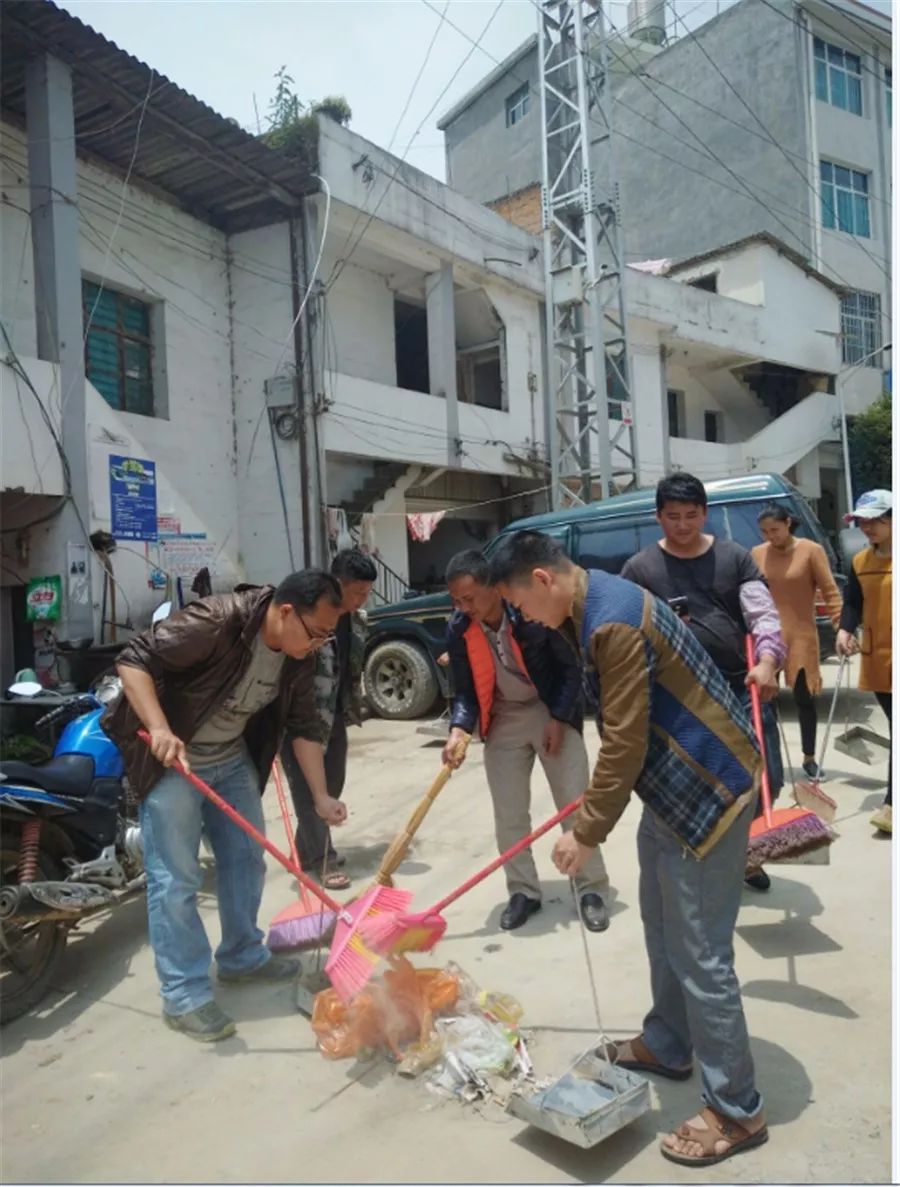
721,1129
336,880
646,1061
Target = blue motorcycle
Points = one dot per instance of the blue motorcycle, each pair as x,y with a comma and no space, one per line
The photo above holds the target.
70,846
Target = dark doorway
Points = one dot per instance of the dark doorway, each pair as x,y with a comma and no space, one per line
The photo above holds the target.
411,346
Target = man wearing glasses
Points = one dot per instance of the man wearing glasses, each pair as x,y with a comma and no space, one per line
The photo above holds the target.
217,686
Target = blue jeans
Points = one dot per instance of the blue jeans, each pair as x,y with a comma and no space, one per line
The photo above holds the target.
689,909
172,816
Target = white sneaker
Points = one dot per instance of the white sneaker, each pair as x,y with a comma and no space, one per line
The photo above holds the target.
882,819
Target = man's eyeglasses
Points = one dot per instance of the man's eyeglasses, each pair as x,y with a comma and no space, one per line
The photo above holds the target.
316,638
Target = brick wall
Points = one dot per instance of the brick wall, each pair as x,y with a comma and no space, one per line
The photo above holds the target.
522,208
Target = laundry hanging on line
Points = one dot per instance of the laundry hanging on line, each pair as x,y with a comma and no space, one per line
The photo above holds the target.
422,524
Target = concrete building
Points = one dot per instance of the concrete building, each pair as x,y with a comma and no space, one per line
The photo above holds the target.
771,116
252,329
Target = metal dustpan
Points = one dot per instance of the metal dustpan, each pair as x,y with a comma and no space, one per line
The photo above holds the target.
856,740
588,1104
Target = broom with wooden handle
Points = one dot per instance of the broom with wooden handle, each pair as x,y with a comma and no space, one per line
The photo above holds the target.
401,843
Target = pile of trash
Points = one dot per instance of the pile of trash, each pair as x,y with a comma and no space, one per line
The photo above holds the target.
434,1021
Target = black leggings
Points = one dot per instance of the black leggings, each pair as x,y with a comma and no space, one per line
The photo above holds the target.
806,714
884,700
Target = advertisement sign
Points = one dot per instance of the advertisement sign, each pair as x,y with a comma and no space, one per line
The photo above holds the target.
132,498
43,599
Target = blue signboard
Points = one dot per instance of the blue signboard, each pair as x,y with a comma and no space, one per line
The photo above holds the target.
132,498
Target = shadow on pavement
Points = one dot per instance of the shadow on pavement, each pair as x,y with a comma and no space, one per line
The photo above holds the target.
94,963
783,1080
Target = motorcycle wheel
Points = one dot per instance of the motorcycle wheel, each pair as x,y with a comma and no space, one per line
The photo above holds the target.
29,955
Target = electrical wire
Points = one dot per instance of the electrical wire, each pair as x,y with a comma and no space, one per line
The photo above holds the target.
296,321
346,255
118,223
800,173
412,90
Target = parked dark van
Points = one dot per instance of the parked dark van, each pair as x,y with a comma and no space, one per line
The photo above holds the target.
402,676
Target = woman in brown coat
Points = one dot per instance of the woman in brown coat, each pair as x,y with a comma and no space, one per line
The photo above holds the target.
797,571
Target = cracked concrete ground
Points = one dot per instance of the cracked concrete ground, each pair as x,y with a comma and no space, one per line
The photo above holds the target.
94,1088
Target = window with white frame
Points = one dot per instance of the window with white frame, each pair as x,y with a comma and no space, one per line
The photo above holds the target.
517,105
838,76
861,329
845,199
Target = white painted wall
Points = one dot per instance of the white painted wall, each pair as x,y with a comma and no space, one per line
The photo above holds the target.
261,316
159,254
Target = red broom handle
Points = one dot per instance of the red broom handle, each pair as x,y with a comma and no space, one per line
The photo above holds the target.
756,714
505,857
286,819
258,837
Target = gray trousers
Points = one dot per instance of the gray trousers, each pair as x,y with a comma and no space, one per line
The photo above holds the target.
689,909
512,745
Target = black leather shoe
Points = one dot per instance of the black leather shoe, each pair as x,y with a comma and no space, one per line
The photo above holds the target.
758,881
594,912
518,911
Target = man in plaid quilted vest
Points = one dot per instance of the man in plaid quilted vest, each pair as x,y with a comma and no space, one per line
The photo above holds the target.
674,732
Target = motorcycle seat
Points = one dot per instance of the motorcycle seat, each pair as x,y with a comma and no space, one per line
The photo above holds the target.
65,774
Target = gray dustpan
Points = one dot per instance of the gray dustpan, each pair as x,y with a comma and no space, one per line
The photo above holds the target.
587,1104
856,742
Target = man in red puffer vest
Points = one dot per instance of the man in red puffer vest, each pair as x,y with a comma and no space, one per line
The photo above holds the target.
520,683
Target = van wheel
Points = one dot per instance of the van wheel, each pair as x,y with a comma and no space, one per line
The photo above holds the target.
400,682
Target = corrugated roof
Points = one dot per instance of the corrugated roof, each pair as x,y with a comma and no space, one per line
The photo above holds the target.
205,162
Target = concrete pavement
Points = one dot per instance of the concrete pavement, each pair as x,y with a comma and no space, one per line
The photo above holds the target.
94,1088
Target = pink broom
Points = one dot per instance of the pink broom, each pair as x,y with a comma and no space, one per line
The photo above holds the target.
350,964
303,922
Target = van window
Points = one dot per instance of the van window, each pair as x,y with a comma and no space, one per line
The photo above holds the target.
608,548
738,521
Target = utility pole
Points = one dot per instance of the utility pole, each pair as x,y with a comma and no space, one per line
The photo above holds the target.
591,437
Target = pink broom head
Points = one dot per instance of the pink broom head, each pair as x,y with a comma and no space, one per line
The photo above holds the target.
351,963
793,832
299,924
390,935
810,795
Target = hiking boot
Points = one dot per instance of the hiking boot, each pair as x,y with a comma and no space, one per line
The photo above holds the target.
276,968
206,1024
882,819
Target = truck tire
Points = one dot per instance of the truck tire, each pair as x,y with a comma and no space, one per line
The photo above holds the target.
400,682
29,956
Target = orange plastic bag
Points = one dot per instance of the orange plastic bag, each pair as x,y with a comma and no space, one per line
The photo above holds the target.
391,1012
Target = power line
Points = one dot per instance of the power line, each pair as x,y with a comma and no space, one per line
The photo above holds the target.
834,29
296,321
704,148
342,263
800,173
418,77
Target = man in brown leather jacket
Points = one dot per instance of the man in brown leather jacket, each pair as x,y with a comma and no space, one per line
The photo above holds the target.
217,686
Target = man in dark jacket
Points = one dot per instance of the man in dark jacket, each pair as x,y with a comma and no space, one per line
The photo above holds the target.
521,684
216,686
338,702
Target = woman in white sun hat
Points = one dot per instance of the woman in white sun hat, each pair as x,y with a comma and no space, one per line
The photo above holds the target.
868,604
